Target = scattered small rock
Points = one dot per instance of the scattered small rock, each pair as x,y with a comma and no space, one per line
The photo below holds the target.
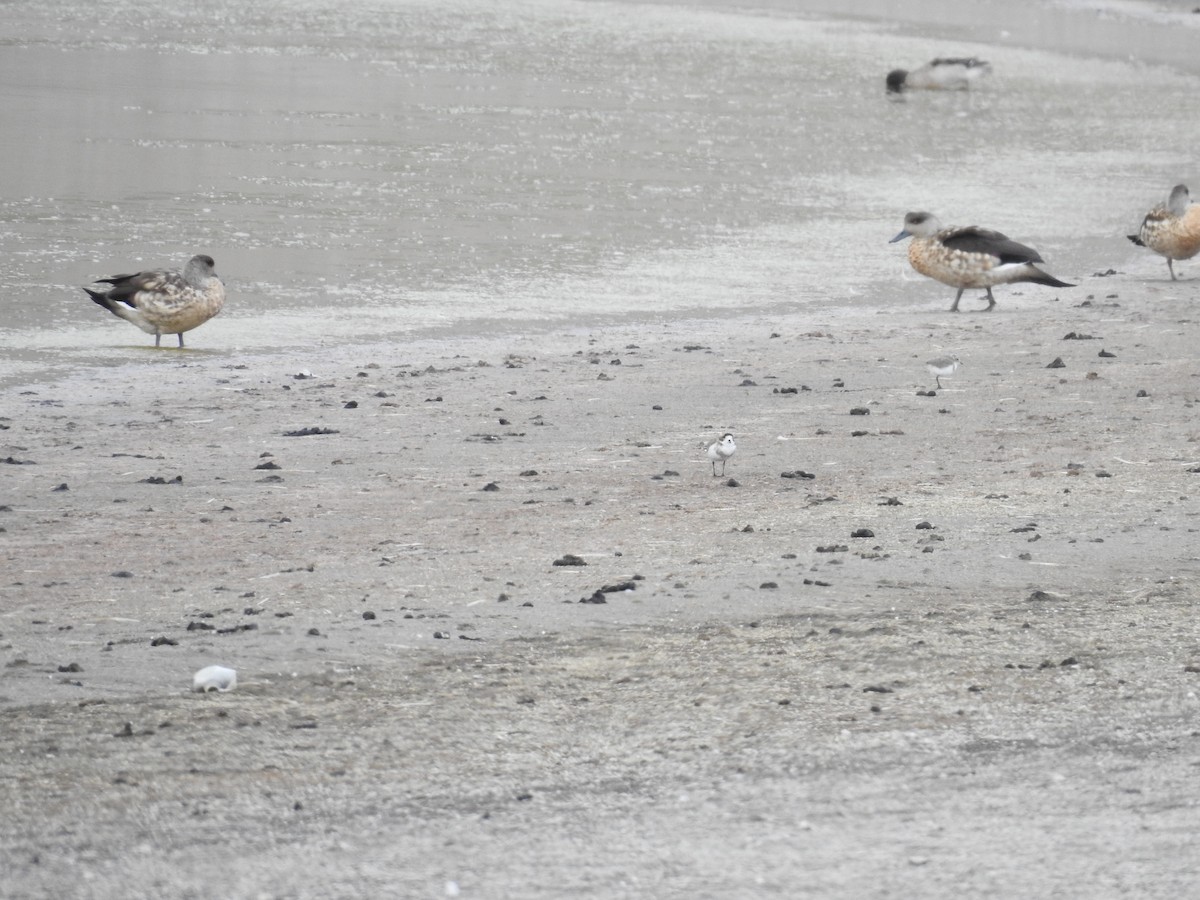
570,559
860,411
1104,354
798,473
307,432
1057,364
862,533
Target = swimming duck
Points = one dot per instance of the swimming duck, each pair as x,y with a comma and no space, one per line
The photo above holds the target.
945,74
1172,229
165,301
970,257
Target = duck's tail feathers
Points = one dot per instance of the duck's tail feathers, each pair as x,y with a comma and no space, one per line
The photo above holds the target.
1136,239
121,311
1048,280
100,298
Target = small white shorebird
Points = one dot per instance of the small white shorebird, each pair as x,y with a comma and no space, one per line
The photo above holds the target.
165,301
1172,229
721,450
942,367
970,258
945,74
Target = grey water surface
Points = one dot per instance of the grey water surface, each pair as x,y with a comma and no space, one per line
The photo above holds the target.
368,172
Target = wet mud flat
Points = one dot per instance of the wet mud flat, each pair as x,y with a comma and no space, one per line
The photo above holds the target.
728,693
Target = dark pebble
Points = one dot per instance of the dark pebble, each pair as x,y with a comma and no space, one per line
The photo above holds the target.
308,432
569,559
1057,364
924,526
441,635
163,642
62,487
862,533
860,411
350,404
799,473
368,615
122,574
71,667
490,486
1104,354
314,632
268,465
768,586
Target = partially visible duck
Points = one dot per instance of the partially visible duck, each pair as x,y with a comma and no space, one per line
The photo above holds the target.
1172,229
947,74
971,257
165,301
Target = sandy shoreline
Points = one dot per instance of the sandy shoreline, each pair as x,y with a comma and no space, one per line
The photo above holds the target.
902,713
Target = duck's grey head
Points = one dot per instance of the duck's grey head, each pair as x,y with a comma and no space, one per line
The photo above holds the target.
202,264
1180,198
895,80
918,224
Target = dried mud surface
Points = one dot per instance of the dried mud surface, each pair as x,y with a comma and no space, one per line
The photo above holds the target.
1001,703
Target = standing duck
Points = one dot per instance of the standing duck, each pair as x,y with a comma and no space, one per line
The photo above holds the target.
1172,229
165,301
971,257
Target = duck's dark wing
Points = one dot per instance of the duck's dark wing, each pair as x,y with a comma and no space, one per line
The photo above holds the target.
993,243
967,62
126,287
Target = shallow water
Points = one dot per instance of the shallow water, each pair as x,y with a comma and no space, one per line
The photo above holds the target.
364,171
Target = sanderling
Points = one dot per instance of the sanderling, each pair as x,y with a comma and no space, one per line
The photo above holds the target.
1172,229
721,450
970,257
939,75
942,367
165,301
